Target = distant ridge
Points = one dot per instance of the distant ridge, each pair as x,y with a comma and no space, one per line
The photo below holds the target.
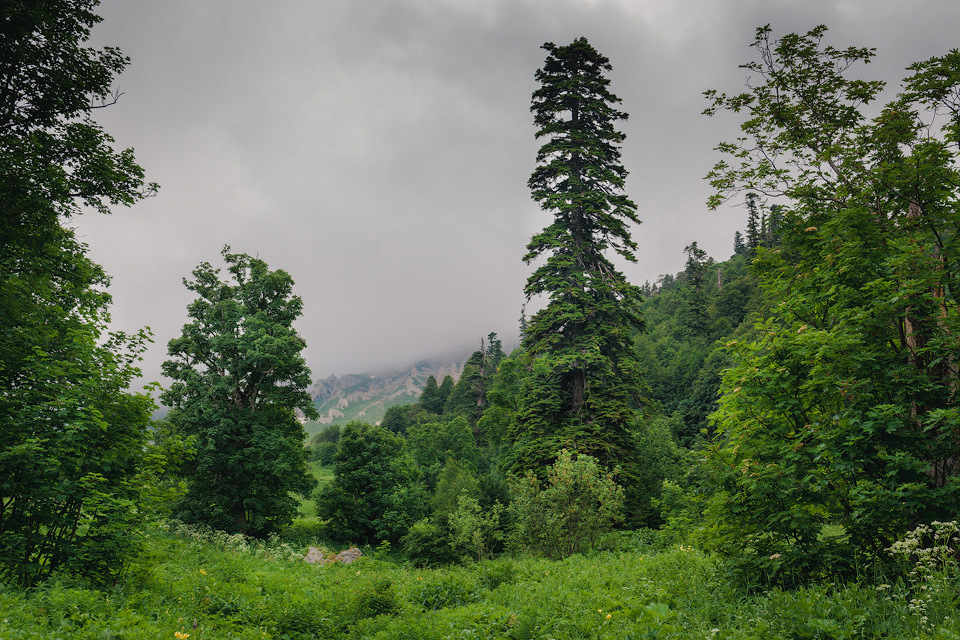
361,396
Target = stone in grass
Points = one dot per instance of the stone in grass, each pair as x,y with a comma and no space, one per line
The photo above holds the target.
316,556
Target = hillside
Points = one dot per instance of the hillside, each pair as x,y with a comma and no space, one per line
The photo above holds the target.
340,399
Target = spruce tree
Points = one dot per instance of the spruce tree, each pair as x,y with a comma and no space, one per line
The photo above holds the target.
753,226
698,320
739,248
430,398
583,390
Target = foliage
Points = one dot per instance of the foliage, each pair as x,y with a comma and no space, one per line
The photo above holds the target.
73,439
658,448
427,543
454,481
468,398
503,398
433,443
217,587
571,512
322,447
239,380
841,410
431,399
396,418
584,374
375,494
476,530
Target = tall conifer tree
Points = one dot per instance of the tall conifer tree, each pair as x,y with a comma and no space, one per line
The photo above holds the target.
583,392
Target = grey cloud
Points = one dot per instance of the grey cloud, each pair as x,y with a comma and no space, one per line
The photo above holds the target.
379,150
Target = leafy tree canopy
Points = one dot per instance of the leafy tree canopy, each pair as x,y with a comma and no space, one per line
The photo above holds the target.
239,381
843,409
375,494
72,442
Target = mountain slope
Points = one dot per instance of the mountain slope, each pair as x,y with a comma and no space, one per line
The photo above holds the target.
340,399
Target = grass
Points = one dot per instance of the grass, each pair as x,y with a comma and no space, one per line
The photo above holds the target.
324,475
215,586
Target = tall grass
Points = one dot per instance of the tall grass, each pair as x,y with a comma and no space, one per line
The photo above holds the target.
208,585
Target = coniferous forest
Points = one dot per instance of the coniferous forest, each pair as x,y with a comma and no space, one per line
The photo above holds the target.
761,446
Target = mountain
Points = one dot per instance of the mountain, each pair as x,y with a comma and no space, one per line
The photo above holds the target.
362,396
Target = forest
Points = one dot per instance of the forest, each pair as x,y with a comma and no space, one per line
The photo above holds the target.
763,446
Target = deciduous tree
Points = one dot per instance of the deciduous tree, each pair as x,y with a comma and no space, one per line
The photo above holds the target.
843,411
375,494
72,441
239,381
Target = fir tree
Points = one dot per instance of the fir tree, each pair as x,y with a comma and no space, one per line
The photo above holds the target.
739,247
583,391
754,236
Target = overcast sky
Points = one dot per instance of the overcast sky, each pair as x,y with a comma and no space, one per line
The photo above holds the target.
378,150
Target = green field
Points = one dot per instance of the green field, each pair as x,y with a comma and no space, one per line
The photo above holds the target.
218,587
323,475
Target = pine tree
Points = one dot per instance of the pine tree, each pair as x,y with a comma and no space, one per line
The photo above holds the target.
739,248
430,398
696,269
753,226
583,391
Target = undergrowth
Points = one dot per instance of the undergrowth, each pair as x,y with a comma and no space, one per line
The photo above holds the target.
195,584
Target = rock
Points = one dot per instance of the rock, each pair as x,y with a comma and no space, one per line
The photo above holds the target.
316,556
347,556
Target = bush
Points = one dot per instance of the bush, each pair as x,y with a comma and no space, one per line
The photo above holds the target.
576,508
427,544
443,590
475,530
305,533
373,600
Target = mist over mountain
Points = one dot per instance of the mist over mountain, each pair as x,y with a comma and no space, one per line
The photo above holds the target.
367,396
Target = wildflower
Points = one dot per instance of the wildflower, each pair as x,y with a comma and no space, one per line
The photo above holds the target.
609,616
775,556
180,636
203,572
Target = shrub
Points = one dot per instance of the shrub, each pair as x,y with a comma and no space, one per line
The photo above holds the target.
373,600
427,544
452,588
576,508
305,533
475,530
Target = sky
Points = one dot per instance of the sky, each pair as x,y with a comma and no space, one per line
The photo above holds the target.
378,150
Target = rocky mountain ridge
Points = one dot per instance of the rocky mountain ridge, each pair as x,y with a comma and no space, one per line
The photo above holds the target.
357,396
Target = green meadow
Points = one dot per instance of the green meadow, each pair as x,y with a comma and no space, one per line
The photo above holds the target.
186,583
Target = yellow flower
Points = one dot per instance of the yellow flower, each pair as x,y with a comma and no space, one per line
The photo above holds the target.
180,636
609,616
203,572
